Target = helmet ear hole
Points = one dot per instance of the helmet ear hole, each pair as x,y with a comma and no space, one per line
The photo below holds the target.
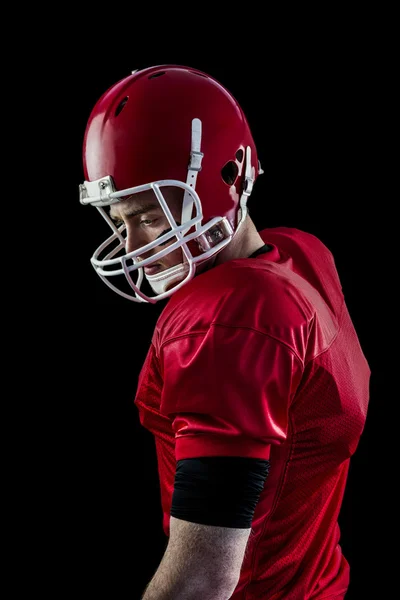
229,172
121,106
239,155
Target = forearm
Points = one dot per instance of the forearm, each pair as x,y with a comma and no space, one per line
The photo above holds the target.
171,582
161,589
201,562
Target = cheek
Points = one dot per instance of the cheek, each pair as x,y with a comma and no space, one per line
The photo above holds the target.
174,258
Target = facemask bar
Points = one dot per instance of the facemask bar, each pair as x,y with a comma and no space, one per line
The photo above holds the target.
176,230
104,266
118,231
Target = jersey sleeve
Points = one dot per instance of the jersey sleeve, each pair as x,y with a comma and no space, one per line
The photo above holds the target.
228,391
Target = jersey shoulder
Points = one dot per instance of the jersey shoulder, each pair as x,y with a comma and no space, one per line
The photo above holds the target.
256,294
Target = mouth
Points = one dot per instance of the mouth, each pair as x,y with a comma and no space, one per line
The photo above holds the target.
151,270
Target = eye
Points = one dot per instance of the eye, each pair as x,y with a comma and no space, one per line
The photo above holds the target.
147,222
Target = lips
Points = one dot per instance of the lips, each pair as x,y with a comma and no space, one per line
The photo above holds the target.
153,269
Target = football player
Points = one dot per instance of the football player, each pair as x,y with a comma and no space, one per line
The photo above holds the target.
255,385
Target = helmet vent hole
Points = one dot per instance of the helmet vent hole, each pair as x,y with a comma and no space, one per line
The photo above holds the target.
156,75
230,172
121,106
239,155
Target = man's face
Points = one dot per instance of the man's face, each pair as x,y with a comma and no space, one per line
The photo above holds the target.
145,221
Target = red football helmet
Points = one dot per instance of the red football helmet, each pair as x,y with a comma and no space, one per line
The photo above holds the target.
168,125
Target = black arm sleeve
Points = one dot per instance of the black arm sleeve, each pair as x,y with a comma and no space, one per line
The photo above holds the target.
218,490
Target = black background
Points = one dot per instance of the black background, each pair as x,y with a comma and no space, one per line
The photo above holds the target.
312,110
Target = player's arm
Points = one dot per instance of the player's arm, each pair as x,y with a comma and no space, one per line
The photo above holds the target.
201,561
212,509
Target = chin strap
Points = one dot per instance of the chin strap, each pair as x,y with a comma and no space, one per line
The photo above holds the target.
196,156
248,182
160,282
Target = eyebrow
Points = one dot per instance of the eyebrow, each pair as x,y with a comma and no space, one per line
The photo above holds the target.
133,212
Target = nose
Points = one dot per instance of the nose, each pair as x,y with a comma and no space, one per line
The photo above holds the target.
133,240
131,244
136,239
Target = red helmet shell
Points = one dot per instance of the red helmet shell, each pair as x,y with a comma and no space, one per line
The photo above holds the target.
139,131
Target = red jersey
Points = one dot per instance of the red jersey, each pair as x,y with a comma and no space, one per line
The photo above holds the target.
258,357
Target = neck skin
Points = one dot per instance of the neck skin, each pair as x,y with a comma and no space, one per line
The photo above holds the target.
246,241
